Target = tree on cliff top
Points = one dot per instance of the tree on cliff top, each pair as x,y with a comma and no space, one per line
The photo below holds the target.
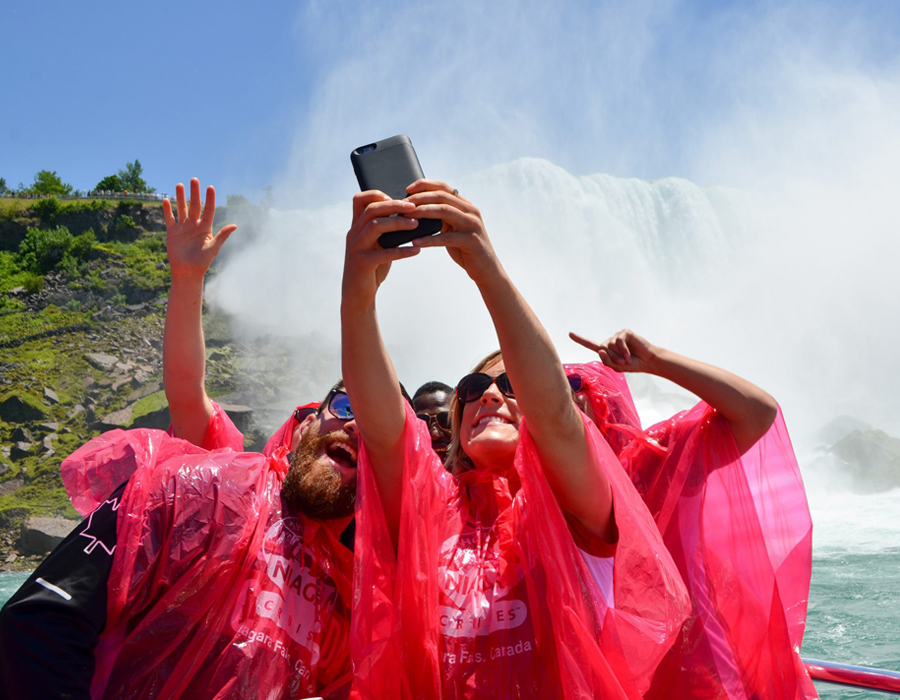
3,188
111,183
131,178
48,182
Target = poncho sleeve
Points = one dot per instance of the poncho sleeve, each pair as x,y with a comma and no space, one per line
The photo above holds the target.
98,470
380,648
282,436
739,528
615,649
221,433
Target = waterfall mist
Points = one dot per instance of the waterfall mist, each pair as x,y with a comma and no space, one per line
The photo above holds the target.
772,253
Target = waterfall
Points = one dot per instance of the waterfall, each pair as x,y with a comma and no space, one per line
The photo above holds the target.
760,283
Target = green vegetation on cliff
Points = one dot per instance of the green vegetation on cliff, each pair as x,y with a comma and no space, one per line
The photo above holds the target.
81,316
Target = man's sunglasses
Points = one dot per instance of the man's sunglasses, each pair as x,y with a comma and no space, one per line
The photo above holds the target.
472,386
338,404
442,420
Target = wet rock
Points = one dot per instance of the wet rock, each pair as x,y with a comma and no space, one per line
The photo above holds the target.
871,458
839,428
240,415
47,444
140,378
120,382
50,395
11,486
51,426
40,535
77,409
15,409
88,382
21,434
117,419
21,449
101,361
159,419
145,390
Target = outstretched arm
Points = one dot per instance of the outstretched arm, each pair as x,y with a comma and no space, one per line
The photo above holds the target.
369,376
191,247
531,361
749,409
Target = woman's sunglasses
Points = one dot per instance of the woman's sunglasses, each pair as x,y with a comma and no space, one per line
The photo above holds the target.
338,404
472,386
441,420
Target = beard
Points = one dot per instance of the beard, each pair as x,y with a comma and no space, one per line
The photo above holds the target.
314,487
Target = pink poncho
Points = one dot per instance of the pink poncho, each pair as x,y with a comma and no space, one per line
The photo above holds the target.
739,529
90,480
216,591
492,597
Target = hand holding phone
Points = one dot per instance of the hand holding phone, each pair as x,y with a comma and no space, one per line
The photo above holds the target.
391,165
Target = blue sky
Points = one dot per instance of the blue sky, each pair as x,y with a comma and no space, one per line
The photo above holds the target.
278,93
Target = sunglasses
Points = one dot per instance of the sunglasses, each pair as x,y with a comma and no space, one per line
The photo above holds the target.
338,404
472,386
441,420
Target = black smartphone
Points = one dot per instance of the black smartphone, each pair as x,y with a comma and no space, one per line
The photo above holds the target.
391,165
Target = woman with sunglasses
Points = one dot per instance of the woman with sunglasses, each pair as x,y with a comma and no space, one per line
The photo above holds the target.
534,570
723,485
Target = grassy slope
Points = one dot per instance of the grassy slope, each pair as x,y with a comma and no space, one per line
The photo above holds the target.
43,341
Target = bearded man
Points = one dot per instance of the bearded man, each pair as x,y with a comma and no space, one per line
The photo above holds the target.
200,571
207,574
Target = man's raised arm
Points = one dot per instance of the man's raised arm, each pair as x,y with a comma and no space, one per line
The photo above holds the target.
191,247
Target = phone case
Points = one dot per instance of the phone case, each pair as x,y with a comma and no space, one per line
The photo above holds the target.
391,165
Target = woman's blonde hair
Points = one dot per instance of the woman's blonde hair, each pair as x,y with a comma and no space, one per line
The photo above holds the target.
457,459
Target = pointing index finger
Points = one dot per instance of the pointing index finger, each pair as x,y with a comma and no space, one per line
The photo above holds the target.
182,205
581,340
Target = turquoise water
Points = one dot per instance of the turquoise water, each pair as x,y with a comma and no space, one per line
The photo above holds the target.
854,601
854,615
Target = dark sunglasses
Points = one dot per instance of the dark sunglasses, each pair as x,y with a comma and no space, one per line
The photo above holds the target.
442,420
338,404
473,386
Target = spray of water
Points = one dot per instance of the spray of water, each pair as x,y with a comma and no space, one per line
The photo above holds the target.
780,265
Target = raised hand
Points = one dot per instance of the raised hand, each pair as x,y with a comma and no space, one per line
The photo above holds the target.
626,351
366,263
463,233
190,241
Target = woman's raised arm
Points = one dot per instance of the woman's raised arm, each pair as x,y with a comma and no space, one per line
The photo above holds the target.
534,368
369,375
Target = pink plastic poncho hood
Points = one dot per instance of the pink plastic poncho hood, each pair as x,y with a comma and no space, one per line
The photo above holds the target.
282,436
216,591
739,529
489,595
